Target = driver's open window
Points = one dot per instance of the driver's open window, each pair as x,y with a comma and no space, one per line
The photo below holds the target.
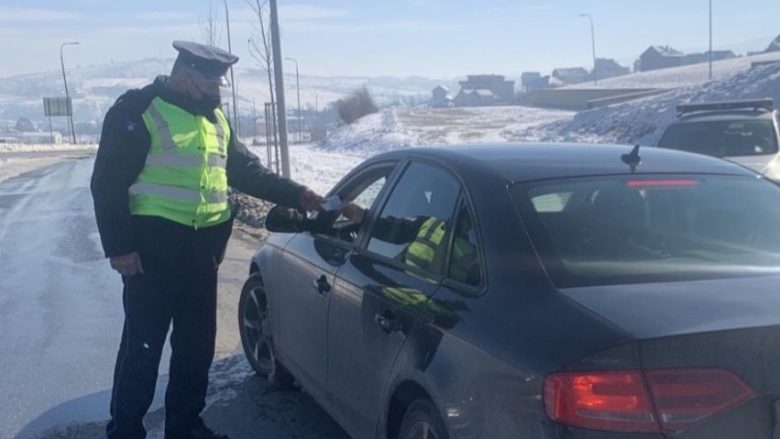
366,197
363,191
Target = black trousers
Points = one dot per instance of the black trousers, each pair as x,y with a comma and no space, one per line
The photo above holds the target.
178,289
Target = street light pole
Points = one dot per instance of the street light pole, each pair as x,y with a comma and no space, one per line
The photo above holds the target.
298,89
232,78
710,40
593,43
67,93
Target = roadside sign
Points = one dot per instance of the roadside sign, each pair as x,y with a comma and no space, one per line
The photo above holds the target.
54,107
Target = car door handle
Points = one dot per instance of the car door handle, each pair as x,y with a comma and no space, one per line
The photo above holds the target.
387,323
322,285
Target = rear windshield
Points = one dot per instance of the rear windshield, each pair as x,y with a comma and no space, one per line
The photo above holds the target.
722,138
624,229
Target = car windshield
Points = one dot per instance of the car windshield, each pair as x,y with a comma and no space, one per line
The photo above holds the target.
625,229
722,138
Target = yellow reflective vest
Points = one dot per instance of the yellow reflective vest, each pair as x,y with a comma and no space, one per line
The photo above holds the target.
184,178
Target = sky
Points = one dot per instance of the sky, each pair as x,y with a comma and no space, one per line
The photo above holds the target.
431,38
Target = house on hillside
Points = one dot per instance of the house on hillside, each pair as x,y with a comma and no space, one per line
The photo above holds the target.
698,58
440,97
475,97
485,90
658,57
571,75
529,79
609,68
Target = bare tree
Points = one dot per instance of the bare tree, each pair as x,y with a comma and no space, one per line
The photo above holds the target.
260,49
209,28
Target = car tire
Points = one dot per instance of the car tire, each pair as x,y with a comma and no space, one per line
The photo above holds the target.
255,330
422,421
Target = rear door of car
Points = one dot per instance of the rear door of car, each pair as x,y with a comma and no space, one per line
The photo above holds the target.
383,290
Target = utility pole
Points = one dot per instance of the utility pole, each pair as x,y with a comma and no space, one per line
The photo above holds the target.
232,78
710,40
278,72
298,89
67,94
593,43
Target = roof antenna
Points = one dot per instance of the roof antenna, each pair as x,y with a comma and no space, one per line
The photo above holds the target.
632,159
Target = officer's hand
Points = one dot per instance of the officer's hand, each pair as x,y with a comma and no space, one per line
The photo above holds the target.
127,265
310,201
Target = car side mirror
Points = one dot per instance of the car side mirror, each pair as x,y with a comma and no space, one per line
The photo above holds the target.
281,219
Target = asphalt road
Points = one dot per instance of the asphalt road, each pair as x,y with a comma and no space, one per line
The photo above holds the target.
61,319
60,304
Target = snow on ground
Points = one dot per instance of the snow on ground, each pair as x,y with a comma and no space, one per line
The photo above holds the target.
643,121
317,169
45,147
684,76
395,128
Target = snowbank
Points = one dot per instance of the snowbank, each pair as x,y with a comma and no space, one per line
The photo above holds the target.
396,128
643,121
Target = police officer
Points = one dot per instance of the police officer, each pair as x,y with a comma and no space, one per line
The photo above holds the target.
167,156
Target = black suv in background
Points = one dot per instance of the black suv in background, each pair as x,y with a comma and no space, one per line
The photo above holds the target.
745,132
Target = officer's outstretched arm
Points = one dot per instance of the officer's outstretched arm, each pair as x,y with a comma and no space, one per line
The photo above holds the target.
246,174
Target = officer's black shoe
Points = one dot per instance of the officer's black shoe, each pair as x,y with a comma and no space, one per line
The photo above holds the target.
200,432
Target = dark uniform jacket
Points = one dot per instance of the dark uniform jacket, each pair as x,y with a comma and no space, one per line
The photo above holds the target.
124,144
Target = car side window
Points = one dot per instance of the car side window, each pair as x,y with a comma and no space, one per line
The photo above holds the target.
464,253
362,191
414,225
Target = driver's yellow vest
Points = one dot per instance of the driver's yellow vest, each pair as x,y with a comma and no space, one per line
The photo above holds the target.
184,178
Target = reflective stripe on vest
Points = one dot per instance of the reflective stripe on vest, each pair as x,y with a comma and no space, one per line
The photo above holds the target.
184,178
176,193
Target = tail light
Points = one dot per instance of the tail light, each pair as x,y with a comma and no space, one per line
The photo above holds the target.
653,401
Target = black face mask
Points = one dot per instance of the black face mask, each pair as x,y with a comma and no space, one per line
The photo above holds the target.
209,103
204,106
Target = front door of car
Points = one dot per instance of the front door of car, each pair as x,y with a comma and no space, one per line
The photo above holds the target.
310,266
312,259
383,289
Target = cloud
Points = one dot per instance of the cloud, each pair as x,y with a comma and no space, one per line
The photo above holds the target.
31,15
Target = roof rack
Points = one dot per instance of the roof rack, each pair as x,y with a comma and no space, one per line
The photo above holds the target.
767,104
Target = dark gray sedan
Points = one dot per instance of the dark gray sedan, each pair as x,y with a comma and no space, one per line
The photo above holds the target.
535,291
